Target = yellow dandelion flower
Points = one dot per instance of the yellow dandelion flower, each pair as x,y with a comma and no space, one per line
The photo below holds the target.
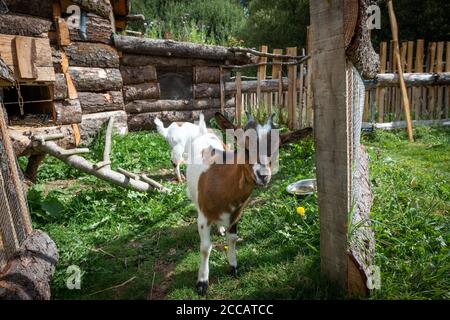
225,248
301,211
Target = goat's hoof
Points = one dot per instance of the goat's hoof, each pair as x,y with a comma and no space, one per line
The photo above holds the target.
232,270
202,287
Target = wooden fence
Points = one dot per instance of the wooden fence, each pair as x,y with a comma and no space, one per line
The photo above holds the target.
265,94
428,101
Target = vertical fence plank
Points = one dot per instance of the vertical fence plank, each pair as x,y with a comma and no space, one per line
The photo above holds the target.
238,99
380,91
276,74
309,96
431,65
292,75
439,89
409,69
300,96
261,76
418,93
447,69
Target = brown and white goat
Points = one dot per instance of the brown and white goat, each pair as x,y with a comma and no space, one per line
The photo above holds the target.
221,188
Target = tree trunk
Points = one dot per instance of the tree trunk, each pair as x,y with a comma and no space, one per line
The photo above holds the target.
98,29
67,111
42,9
141,91
60,87
91,124
29,273
144,106
82,54
209,75
102,8
172,48
92,102
135,60
22,25
135,75
144,121
96,79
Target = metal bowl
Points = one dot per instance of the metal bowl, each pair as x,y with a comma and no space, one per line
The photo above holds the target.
303,187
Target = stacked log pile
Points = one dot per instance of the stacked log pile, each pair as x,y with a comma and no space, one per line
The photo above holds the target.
139,65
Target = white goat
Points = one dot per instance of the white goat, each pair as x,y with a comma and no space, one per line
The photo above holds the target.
179,136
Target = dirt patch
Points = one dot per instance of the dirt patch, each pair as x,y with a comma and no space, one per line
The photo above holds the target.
159,290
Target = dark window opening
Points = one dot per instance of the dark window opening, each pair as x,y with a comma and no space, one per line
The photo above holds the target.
175,83
37,108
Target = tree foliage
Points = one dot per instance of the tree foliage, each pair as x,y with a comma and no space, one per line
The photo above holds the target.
212,21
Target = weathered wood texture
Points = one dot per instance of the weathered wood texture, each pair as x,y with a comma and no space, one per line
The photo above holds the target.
60,87
331,135
56,60
22,144
23,25
92,102
135,75
172,48
43,61
98,29
82,54
41,9
411,79
96,79
6,74
91,124
136,60
102,8
143,106
212,90
141,91
67,111
203,74
29,273
144,121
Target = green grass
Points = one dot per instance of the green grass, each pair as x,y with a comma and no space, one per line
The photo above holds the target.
114,235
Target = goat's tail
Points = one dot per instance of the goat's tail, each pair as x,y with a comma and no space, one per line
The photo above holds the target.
160,127
202,124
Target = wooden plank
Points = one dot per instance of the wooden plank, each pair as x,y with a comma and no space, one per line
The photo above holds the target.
332,138
76,134
431,92
62,32
71,90
366,107
300,97
381,92
406,106
276,74
292,76
26,57
447,90
238,99
418,92
309,94
409,59
261,75
439,91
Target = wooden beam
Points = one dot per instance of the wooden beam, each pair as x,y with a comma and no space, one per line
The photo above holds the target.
26,57
292,90
394,29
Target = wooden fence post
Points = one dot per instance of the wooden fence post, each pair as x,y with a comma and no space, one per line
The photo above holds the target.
439,89
309,97
418,93
292,84
261,76
431,95
238,99
380,91
277,74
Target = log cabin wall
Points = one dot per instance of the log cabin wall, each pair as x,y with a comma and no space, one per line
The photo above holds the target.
175,81
83,75
149,94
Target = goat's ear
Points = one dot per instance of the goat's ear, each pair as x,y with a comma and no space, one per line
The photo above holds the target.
294,136
223,123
